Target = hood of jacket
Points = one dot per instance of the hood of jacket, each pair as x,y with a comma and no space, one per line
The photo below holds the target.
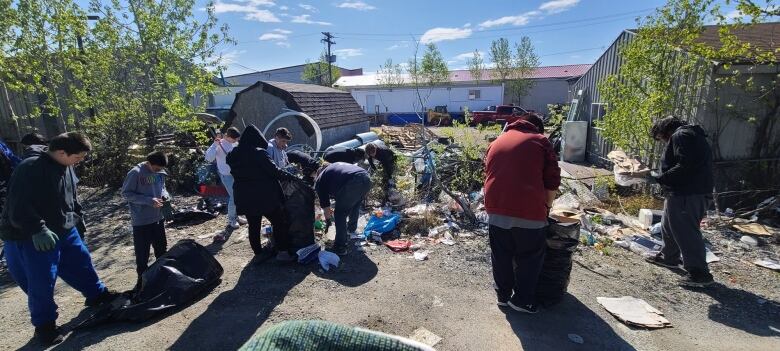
34,150
252,138
692,129
523,126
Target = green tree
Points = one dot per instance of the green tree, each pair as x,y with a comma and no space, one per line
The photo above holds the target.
476,66
390,75
501,56
525,61
433,68
317,72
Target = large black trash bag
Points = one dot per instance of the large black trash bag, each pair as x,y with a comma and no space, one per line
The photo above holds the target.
562,241
173,281
299,205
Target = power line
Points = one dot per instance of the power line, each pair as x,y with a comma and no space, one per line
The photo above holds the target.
622,14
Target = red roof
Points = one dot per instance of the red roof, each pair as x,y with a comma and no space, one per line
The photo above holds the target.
567,71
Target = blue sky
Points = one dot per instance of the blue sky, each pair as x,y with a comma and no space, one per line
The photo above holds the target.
279,33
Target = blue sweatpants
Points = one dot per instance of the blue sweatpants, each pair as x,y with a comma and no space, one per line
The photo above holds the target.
36,272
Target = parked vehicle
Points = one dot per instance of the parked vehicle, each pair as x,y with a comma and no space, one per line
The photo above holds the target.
439,116
504,113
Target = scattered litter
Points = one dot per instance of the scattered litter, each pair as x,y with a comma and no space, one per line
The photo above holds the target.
655,229
755,229
628,171
768,263
425,336
398,245
437,302
641,245
328,260
649,217
749,240
356,236
382,225
633,311
448,239
421,255
711,256
415,247
576,339
308,254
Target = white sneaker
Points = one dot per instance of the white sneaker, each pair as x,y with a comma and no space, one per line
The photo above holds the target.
233,224
241,220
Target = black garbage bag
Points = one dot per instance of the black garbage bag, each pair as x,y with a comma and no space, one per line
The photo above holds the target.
299,205
562,241
173,281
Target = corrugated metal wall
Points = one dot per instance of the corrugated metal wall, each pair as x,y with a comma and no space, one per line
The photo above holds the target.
22,106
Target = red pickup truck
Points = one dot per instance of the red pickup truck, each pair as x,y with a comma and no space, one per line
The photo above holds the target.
506,113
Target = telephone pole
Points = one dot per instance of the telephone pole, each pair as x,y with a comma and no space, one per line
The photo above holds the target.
329,40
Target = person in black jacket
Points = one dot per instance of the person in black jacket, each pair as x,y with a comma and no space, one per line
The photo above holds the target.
34,145
686,176
39,230
386,158
308,164
258,193
348,184
344,154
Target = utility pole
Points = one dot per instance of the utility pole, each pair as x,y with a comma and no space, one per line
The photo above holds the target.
328,40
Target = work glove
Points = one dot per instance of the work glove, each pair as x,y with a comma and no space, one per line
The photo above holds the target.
653,177
45,240
167,209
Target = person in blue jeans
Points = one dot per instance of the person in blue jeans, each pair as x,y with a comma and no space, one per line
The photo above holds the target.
348,185
38,228
218,152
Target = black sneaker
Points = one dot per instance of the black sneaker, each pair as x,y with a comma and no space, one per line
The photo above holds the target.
262,256
659,260
341,251
49,334
523,308
502,300
702,280
104,297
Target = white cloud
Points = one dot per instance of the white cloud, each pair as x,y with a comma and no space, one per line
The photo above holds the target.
356,5
546,8
557,6
465,56
278,36
441,34
268,3
250,10
284,8
519,20
403,44
309,8
231,56
734,14
305,19
467,25
347,53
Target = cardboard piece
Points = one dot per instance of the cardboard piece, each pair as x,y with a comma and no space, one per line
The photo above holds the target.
756,229
425,336
633,311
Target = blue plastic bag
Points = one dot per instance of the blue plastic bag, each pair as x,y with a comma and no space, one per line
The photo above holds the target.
382,225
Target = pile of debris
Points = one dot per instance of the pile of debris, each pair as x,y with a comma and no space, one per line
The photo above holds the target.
409,137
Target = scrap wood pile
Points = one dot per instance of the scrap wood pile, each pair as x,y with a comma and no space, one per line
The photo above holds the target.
410,136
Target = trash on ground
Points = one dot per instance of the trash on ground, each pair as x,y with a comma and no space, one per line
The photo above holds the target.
308,254
710,256
576,339
768,263
425,336
628,171
756,229
398,245
751,241
328,260
649,217
633,311
421,255
641,245
381,225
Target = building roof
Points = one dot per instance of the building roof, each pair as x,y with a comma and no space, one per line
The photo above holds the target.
343,70
464,76
327,106
765,36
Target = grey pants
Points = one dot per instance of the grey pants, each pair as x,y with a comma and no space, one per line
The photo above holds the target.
680,229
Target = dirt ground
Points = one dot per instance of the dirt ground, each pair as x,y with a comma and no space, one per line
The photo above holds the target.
450,294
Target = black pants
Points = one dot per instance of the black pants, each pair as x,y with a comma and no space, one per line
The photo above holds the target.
517,256
680,229
279,236
144,237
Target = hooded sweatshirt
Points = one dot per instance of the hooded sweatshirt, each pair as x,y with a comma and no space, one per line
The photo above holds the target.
520,167
277,155
686,166
41,194
343,154
34,150
141,186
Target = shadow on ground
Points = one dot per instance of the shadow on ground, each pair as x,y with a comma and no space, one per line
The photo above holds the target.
549,329
743,310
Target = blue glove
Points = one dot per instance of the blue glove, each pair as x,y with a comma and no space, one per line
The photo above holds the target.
45,240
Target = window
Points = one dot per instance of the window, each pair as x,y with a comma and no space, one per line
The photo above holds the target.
474,94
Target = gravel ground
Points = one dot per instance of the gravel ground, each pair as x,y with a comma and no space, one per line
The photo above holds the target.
450,294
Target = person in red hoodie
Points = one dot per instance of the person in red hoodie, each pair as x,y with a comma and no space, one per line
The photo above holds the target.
521,179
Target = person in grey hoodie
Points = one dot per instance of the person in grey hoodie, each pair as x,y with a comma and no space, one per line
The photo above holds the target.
144,190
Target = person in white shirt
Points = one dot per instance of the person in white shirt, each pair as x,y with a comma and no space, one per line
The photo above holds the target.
217,152
277,147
